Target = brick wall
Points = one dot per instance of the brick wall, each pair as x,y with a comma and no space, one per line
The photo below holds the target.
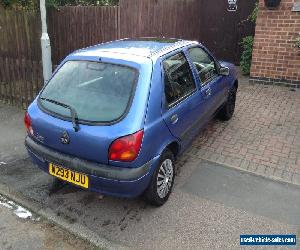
276,60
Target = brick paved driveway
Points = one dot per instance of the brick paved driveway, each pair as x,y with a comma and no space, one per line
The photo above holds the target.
263,137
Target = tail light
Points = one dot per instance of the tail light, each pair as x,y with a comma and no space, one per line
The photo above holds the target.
126,148
27,122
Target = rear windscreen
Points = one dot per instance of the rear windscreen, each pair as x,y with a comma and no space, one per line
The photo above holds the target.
98,92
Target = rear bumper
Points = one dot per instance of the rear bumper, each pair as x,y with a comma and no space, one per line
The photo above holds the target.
117,181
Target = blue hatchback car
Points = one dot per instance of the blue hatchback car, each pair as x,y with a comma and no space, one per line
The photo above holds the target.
114,117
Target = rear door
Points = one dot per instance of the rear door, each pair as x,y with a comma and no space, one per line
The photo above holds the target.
183,101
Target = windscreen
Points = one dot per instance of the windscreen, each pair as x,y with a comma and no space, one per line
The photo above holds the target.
98,92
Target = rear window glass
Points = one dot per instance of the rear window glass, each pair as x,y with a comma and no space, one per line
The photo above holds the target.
98,92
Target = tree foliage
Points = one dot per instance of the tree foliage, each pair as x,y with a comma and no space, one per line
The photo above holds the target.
34,4
56,3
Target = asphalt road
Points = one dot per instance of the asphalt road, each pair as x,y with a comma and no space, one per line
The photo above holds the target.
210,206
198,215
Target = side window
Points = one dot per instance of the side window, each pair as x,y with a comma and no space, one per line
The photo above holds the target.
204,64
179,82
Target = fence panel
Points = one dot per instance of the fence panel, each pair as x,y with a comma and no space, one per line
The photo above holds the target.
222,30
169,18
207,21
19,51
71,28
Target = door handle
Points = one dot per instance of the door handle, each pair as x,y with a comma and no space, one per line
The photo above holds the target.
174,119
208,92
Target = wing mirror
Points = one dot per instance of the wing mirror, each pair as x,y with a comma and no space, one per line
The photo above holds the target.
224,71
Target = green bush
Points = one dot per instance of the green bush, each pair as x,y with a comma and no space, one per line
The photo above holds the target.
247,44
298,42
246,58
253,16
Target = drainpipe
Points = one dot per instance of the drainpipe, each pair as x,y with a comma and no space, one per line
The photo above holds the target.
45,44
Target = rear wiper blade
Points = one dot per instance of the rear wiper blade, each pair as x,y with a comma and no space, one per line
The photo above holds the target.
74,115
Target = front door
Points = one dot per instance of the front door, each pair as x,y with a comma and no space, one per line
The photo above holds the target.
211,82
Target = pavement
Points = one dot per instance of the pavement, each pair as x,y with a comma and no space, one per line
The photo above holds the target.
34,233
213,201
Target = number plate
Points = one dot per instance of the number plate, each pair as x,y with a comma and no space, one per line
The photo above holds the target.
69,175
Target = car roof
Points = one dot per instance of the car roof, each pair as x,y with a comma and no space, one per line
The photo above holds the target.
145,47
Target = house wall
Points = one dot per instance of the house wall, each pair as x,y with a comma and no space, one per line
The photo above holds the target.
276,60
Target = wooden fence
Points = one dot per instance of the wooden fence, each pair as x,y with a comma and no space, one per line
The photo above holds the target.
71,28
20,56
169,18
207,21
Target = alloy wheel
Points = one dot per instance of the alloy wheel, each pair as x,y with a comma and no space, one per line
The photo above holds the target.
165,178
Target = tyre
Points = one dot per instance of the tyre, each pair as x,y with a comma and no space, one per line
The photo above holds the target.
226,112
162,180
